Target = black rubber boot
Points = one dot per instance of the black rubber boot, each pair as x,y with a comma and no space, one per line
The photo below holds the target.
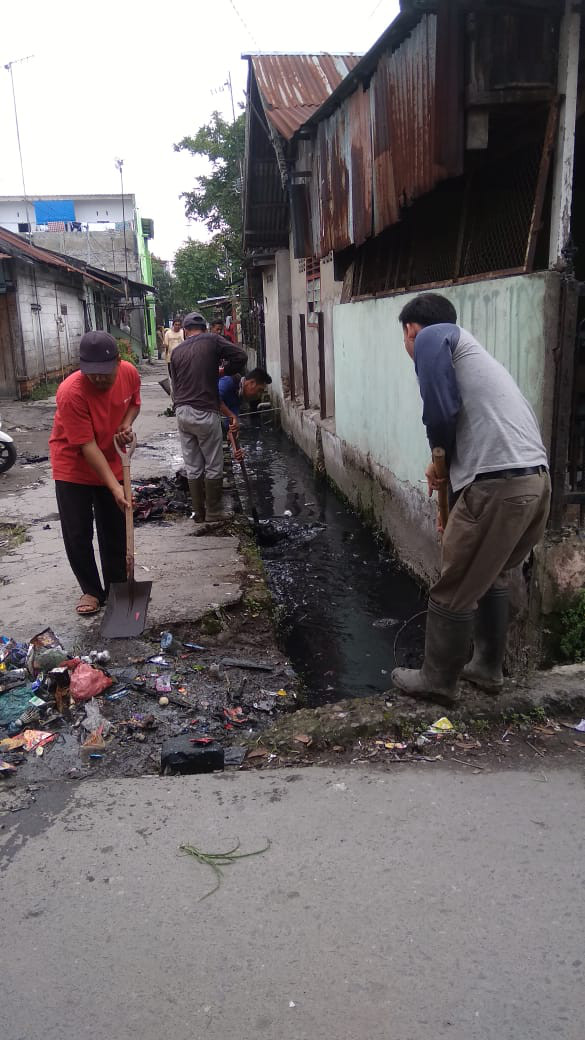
489,641
214,511
447,649
197,490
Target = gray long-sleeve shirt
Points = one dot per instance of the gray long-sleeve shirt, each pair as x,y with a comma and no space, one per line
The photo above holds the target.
194,368
472,407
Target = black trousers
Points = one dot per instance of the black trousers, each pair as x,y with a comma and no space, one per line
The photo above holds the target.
79,505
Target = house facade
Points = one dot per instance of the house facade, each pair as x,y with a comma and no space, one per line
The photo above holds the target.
448,157
47,303
104,231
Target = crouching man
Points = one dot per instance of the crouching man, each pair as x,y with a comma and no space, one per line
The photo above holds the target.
498,470
194,370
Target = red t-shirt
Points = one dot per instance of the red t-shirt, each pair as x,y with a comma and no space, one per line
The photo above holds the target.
85,414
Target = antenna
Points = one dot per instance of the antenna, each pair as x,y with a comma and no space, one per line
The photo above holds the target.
8,68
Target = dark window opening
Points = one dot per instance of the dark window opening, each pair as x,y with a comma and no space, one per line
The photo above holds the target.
23,228
473,225
313,272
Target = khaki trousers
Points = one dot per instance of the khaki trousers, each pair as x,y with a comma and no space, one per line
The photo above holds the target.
201,442
491,529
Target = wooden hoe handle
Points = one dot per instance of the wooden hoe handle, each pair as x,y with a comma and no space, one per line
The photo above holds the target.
443,492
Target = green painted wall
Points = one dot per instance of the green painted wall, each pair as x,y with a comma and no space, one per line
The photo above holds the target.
146,275
377,401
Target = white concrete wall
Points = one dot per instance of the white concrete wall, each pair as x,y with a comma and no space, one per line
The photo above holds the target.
378,401
276,292
105,249
330,295
50,339
87,210
376,451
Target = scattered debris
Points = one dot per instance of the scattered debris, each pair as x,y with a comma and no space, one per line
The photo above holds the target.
185,755
386,622
235,662
442,725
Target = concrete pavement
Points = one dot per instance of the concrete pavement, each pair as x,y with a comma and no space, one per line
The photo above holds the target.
416,904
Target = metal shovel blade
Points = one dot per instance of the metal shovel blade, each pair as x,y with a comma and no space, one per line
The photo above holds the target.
125,613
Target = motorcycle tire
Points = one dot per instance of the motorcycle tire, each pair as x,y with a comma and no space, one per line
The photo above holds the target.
7,456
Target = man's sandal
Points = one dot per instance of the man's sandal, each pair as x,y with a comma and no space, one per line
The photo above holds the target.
88,605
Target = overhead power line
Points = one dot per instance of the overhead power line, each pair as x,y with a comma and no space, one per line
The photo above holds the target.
245,24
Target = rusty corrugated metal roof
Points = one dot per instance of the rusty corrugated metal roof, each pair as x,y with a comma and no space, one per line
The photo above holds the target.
19,246
294,86
376,149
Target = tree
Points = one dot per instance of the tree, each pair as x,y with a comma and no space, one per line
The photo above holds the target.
201,270
217,197
166,289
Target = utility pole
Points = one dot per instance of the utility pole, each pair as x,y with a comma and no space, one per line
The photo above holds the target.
228,84
8,68
119,165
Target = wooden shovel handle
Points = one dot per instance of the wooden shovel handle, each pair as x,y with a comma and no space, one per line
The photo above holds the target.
126,454
129,514
443,492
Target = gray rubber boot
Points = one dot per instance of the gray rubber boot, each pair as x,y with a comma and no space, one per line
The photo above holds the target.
489,641
447,649
214,511
197,489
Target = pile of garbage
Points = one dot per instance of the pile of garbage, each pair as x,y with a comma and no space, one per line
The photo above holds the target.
176,711
160,497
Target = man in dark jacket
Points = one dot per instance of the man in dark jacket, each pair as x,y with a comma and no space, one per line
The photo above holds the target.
498,471
194,367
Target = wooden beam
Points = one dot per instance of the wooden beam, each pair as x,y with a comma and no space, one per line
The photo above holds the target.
548,148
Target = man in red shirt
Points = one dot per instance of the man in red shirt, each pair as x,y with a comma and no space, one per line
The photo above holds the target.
95,405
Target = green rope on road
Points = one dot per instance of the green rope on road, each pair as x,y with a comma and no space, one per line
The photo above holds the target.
217,860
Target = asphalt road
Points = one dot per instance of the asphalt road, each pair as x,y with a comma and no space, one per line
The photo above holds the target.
416,904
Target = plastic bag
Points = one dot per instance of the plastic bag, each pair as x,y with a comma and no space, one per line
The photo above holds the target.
88,682
13,703
94,719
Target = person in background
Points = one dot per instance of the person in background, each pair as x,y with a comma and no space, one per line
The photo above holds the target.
160,341
194,369
216,326
95,406
172,338
229,329
498,469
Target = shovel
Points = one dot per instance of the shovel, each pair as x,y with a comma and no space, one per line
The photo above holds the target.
125,613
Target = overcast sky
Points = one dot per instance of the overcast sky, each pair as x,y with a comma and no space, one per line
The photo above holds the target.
129,79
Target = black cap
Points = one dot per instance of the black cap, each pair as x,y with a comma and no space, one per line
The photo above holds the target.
194,319
98,353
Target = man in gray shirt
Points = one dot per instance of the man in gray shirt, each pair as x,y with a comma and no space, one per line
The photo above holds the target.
194,370
498,472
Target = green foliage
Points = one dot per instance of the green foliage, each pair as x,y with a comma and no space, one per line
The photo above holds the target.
572,642
200,270
166,289
126,352
44,390
216,198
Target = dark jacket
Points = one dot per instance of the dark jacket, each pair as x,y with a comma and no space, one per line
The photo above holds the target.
194,369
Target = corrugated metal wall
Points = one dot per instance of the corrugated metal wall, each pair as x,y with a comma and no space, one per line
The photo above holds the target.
377,152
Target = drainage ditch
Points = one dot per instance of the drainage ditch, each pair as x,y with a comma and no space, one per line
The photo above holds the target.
342,598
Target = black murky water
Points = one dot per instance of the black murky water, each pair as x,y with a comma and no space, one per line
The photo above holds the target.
343,598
